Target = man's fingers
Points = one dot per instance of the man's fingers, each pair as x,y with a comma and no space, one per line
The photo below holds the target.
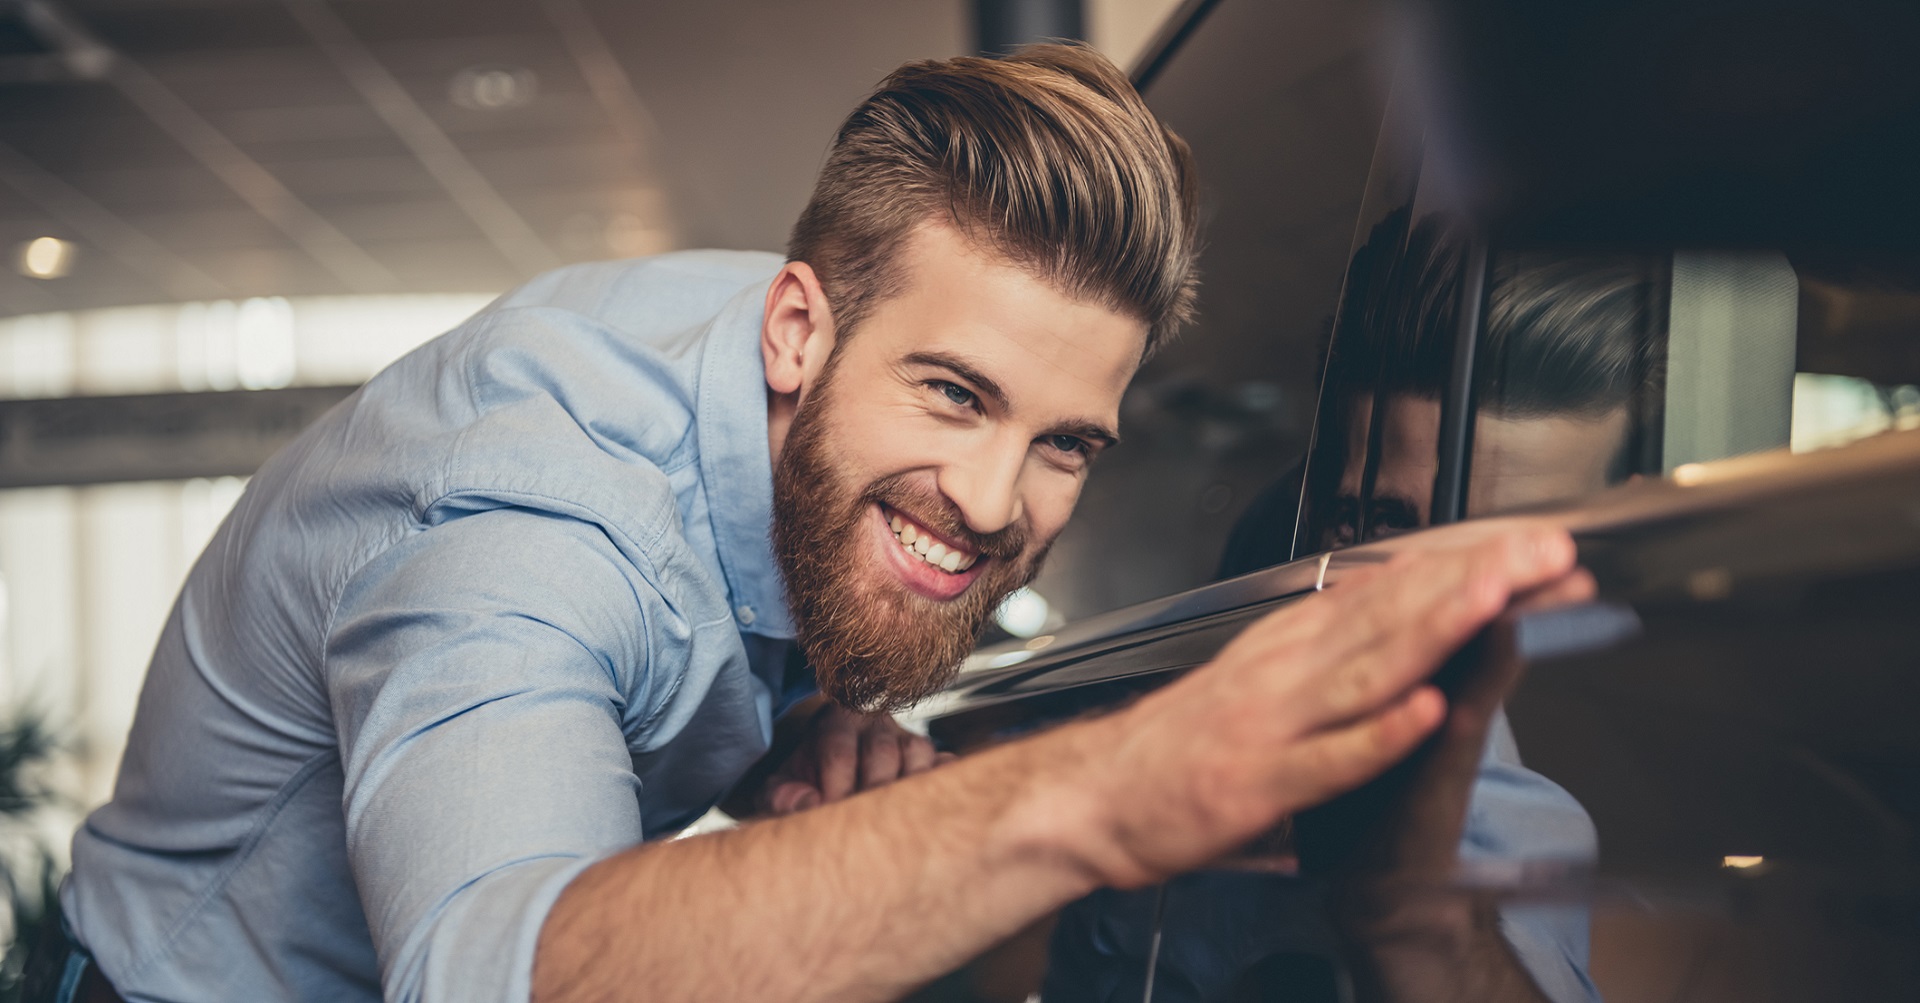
837,744
1420,610
916,755
1402,624
1447,593
1534,555
1336,761
789,796
1577,587
1476,584
1462,583
879,755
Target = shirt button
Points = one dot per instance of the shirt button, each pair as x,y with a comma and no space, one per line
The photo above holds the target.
745,615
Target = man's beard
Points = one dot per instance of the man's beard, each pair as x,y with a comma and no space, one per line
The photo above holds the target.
873,644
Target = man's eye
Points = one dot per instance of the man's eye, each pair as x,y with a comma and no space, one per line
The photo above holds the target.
1068,443
955,392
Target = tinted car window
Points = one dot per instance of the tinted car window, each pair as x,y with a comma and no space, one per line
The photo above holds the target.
1569,377
1589,368
1592,368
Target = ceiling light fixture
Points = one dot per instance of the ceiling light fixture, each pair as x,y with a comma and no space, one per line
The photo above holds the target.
494,88
46,258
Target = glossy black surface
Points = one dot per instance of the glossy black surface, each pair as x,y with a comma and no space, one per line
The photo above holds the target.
1744,687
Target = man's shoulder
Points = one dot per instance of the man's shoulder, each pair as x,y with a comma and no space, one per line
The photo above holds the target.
667,289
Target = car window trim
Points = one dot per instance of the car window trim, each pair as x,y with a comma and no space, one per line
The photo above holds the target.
1451,479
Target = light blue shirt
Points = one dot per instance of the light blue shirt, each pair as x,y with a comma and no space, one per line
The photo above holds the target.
507,610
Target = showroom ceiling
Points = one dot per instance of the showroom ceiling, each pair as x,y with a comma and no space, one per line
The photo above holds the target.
197,149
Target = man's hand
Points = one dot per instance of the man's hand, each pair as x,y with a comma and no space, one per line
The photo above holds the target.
841,752
1391,848
1311,701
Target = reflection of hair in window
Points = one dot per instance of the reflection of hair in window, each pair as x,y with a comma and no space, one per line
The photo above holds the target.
1566,334
1575,335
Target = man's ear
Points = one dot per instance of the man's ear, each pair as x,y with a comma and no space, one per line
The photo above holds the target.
796,332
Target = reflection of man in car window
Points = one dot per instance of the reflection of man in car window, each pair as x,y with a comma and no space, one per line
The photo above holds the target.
1560,367
1562,361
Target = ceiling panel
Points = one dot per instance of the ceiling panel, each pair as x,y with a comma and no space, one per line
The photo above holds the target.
266,155
216,81
158,28
301,124
138,186
193,231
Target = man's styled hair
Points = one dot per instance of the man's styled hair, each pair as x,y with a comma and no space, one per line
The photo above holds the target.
1048,156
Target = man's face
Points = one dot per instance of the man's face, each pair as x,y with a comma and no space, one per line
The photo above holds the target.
932,463
1517,461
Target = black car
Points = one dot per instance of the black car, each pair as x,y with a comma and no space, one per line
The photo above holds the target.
1705,784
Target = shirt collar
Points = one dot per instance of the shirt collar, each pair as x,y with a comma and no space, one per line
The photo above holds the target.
736,467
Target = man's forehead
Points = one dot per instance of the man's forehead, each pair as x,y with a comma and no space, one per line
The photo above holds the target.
963,301
1036,358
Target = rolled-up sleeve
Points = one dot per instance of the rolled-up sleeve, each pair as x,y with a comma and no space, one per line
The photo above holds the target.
484,676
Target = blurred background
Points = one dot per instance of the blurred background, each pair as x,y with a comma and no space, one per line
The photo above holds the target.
218,216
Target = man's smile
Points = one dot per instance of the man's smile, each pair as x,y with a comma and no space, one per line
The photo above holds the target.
929,546
926,562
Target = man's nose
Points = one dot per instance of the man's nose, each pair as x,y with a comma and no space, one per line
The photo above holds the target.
985,485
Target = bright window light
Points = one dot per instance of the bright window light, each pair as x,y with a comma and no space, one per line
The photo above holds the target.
252,344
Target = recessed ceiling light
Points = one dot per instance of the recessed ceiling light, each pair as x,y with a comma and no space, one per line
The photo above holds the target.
494,88
1740,863
46,258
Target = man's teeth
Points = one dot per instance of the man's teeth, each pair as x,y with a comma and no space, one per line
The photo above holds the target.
928,550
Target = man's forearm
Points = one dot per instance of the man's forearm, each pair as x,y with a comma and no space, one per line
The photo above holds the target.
859,900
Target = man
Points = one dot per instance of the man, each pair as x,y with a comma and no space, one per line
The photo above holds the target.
525,602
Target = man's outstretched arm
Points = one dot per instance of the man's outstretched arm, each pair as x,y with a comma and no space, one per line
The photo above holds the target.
869,897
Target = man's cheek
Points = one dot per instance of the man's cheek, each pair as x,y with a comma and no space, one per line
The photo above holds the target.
1046,521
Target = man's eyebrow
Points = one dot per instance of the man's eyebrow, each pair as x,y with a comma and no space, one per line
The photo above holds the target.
1085,428
1091,430
963,369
